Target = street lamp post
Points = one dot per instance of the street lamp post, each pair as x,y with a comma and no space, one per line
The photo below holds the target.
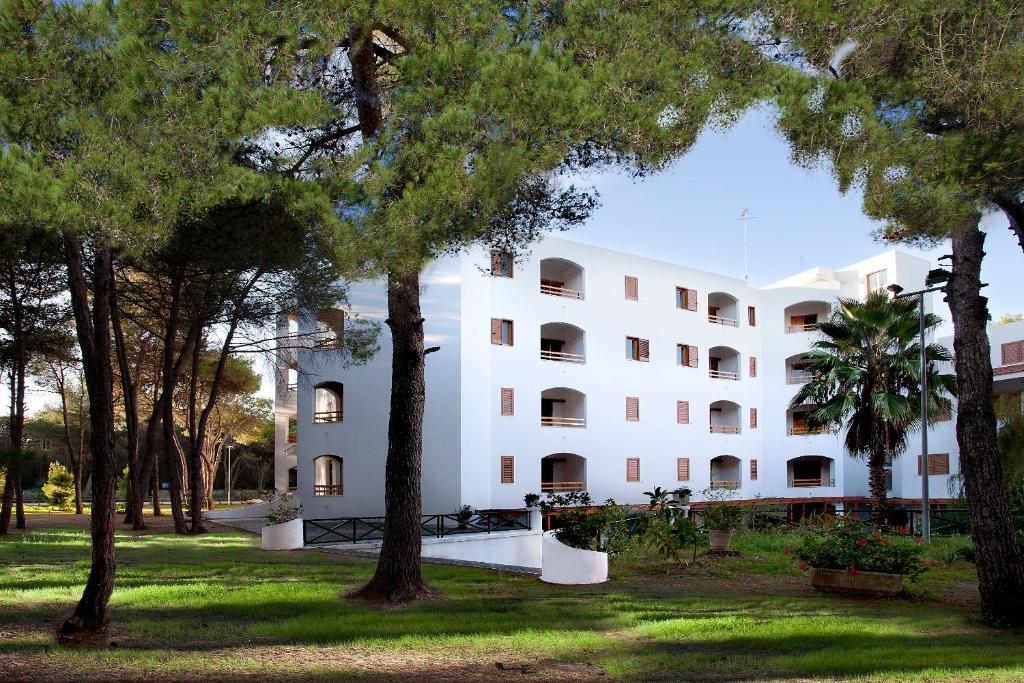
935,277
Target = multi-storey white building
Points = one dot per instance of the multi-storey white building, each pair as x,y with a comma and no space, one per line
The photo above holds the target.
586,368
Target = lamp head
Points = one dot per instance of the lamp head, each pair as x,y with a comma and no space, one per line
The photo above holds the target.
895,289
936,276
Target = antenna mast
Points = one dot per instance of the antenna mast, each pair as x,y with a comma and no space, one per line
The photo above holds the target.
745,216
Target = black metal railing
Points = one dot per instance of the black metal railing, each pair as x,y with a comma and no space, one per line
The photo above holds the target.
355,529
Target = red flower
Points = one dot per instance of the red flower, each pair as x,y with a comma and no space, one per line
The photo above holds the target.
861,541
802,565
853,570
785,551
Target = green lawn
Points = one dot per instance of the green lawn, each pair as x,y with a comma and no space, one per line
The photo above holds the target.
216,607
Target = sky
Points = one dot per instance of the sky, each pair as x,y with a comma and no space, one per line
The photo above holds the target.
690,214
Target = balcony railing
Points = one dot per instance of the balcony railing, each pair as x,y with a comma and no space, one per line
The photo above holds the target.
794,329
293,437
327,490
725,429
546,486
323,342
806,431
723,374
562,356
564,292
802,378
322,416
807,483
722,320
724,484
292,388
563,422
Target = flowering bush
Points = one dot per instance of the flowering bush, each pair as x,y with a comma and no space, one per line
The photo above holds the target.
579,523
844,543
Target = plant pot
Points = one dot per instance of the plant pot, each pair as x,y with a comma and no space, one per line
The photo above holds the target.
720,539
877,584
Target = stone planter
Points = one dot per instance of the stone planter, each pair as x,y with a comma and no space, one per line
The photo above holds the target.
720,539
862,583
286,536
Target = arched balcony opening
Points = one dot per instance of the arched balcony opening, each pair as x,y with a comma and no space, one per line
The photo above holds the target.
808,471
725,417
293,478
723,363
330,329
798,422
798,369
725,472
722,309
563,343
560,277
805,316
563,407
563,472
328,476
328,403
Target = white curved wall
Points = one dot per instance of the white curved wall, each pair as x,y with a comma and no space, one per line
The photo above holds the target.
571,566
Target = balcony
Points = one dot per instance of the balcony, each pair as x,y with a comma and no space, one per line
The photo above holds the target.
560,486
327,401
810,471
805,316
798,424
725,484
723,363
327,476
563,472
798,370
724,418
563,407
804,430
327,489
562,343
810,483
725,472
722,309
330,330
562,278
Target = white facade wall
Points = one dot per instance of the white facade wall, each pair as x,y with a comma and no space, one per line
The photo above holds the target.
465,435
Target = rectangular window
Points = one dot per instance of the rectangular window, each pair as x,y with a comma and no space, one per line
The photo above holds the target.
638,349
501,332
1013,353
938,463
877,281
751,316
633,469
632,408
683,412
683,469
501,264
753,366
508,401
686,355
686,299
753,470
508,469
632,288
753,418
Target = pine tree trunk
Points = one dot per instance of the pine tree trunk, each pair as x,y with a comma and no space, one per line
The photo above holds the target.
19,498
398,577
7,504
1000,562
79,507
157,510
91,614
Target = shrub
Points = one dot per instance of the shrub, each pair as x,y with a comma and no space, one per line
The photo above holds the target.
281,507
59,488
844,543
719,513
581,524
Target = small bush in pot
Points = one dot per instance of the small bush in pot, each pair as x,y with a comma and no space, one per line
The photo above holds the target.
463,515
531,500
579,523
281,507
721,517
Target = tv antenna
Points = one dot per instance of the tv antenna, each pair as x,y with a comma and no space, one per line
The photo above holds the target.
745,216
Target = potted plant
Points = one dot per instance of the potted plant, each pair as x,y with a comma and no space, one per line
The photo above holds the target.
532,500
845,556
681,496
721,518
463,515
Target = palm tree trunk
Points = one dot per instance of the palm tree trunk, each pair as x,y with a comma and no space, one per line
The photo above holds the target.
876,485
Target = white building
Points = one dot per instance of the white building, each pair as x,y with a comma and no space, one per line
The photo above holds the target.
584,367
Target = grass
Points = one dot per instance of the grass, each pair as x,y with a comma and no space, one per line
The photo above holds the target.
216,607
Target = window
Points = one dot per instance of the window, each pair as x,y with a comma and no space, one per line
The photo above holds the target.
328,406
638,349
938,463
633,469
501,263
877,281
686,298
508,469
686,355
944,414
632,408
753,470
683,412
501,332
508,401
293,430
751,316
632,289
753,366
683,469
1013,353
753,418
327,476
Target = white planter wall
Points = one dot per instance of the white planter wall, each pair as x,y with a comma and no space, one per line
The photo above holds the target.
287,536
571,566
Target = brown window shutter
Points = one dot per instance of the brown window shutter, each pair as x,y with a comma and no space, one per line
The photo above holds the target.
683,469
511,332
692,360
753,469
632,469
938,463
495,330
508,401
753,366
495,262
1013,353
752,316
691,299
683,412
753,418
633,408
645,350
508,469
632,288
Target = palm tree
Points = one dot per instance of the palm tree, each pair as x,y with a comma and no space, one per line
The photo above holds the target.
865,377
